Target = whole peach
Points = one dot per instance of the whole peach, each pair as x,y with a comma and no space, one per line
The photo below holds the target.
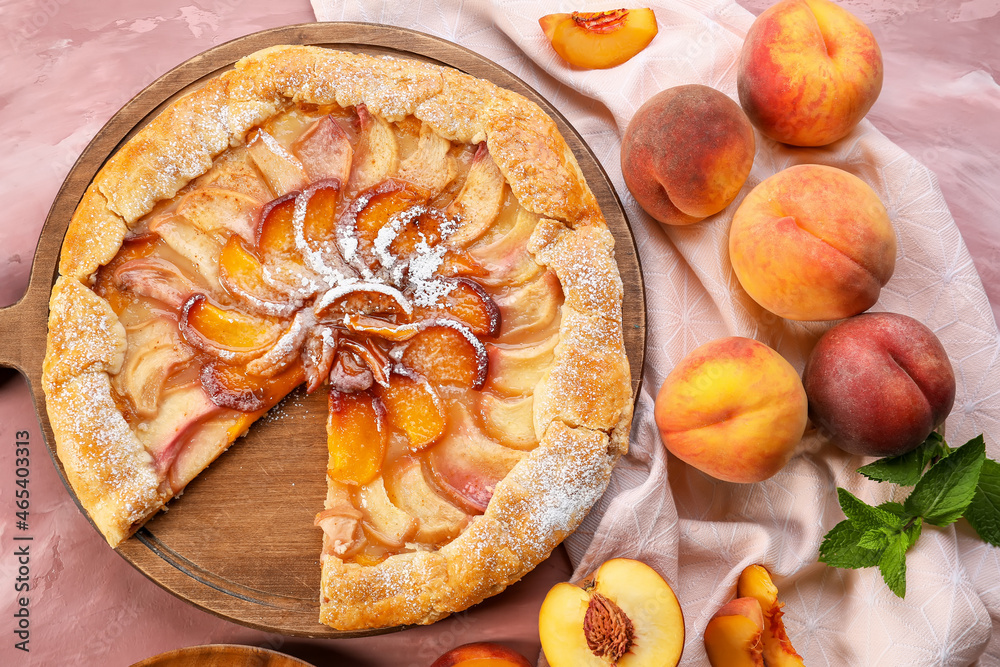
734,409
686,153
879,383
481,654
808,73
812,243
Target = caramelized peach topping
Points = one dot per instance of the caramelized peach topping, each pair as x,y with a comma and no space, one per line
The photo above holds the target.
599,40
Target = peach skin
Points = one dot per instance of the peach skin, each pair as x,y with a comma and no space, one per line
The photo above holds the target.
686,153
734,409
812,243
808,73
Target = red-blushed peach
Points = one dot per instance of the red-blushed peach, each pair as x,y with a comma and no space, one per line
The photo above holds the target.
812,243
734,409
686,153
624,613
879,383
808,73
481,654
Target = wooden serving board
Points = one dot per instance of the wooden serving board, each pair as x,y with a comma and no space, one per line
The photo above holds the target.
222,655
240,543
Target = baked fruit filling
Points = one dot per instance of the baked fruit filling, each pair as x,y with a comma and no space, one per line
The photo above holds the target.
377,261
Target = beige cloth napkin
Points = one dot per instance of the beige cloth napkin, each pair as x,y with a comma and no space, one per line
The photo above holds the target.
699,532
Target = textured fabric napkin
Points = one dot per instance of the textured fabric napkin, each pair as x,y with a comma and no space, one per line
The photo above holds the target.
700,532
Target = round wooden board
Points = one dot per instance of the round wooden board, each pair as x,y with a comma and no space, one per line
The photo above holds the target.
240,543
221,655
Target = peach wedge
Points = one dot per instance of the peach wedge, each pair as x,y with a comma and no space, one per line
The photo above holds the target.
599,40
624,613
755,582
733,635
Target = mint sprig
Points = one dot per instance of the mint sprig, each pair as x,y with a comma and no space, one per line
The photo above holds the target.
948,484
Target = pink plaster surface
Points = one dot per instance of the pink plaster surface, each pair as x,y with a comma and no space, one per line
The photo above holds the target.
67,65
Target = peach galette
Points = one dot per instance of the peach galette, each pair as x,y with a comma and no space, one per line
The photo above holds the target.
417,243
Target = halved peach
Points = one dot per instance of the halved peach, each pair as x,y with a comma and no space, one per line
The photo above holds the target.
325,150
355,437
447,353
599,40
229,334
466,464
414,408
625,613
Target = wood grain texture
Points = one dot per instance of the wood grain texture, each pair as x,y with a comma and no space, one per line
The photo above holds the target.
240,543
221,655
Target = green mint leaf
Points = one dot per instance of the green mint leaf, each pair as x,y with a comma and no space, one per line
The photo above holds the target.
864,514
840,547
913,532
895,509
875,538
945,491
892,564
983,512
906,469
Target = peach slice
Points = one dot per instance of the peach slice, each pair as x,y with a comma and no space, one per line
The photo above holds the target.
377,155
106,283
755,582
282,170
286,349
466,302
481,654
414,408
599,40
505,260
447,353
514,371
340,520
217,210
318,355
349,374
467,465
625,613
155,351
229,387
510,421
242,274
438,520
180,413
156,278
235,170
315,229
355,437
372,357
325,151
478,203
733,635
383,521
531,308
429,166
362,298
281,259
368,213
200,249
229,334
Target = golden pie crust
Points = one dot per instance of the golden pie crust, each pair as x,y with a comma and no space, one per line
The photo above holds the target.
582,406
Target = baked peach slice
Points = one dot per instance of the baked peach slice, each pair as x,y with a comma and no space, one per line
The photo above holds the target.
325,151
755,582
199,248
219,210
467,465
733,636
414,408
383,521
599,40
481,654
625,613
232,387
531,308
438,521
429,166
285,268
242,275
155,278
226,333
282,170
467,302
447,353
154,353
368,213
480,200
514,371
505,260
377,154
356,438
509,421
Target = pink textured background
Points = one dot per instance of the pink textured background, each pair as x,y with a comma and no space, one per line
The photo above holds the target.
67,65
